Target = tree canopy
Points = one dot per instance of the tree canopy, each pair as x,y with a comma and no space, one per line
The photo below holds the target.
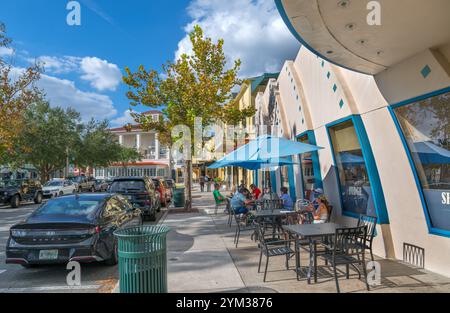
17,92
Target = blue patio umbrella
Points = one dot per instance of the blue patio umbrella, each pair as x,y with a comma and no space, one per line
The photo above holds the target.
348,158
253,164
269,147
430,153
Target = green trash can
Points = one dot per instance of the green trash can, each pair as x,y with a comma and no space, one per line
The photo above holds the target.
179,198
143,259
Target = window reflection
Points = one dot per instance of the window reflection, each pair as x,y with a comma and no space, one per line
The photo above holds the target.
426,127
307,169
356,191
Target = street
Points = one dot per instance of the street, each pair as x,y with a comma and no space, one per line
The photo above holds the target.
95,277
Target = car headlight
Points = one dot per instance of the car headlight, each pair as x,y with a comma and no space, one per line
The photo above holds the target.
18,233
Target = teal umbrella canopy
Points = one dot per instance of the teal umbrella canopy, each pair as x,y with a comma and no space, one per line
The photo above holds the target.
269,147
253,164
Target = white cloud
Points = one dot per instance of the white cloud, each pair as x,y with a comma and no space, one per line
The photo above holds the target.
252,29
65,94
124,119
101,74
59,65
5,51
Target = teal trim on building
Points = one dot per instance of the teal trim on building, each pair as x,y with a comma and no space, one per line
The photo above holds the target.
273,181
372,170
257,81
431,229
315,159
291,179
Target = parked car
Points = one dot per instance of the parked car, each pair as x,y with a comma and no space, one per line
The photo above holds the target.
101,185
58,188
141,192
13,192
72,228
84,183
164,193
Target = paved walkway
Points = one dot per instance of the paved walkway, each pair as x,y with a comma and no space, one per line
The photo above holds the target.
202,258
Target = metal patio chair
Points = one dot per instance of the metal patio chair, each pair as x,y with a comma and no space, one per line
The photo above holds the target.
371,223
347,247
271,247
242,224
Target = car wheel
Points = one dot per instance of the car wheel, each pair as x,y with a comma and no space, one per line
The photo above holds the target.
15,201
114,255
38,199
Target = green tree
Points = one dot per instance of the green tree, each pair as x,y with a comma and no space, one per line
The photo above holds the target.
17,92
47,134
198,85
98,147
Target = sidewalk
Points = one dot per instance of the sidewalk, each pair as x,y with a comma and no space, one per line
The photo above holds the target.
203,258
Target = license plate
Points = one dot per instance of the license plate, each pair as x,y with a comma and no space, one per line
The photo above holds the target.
48,255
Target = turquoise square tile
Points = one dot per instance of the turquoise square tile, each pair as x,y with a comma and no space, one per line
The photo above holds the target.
323,63
341,104
334,87
426,71
328,75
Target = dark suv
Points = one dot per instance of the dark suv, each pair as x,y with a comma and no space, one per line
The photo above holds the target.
13,192
141,192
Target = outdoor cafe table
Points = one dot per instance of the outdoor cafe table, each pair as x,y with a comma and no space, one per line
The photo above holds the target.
273,215
312,232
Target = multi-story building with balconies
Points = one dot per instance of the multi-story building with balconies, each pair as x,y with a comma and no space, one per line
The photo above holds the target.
156,158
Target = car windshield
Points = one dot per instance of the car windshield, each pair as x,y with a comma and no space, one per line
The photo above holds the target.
75,179
127,186
71,206
54,184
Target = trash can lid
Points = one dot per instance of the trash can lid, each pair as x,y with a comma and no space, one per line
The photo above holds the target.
142,231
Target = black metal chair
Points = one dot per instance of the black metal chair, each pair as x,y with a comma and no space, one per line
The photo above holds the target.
242,224
271,247
272,204
347,247
371,223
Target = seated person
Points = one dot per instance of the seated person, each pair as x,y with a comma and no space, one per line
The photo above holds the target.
322,213
256,192
288,204
269,195
217,195
240,202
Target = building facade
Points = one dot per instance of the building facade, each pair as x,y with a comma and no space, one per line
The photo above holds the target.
377,99
156,158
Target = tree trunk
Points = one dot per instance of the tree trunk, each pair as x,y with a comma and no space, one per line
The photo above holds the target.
188,184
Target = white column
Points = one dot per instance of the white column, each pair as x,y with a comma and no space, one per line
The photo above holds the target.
138,142
121,140
157,146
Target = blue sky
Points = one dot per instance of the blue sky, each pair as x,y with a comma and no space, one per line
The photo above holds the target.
84,63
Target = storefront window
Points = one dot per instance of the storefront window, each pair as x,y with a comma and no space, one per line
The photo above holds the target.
355,187
426,127
311,180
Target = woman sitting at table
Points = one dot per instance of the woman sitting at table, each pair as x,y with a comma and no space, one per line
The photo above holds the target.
322,213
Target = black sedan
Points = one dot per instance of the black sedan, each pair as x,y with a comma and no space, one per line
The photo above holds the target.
72,228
